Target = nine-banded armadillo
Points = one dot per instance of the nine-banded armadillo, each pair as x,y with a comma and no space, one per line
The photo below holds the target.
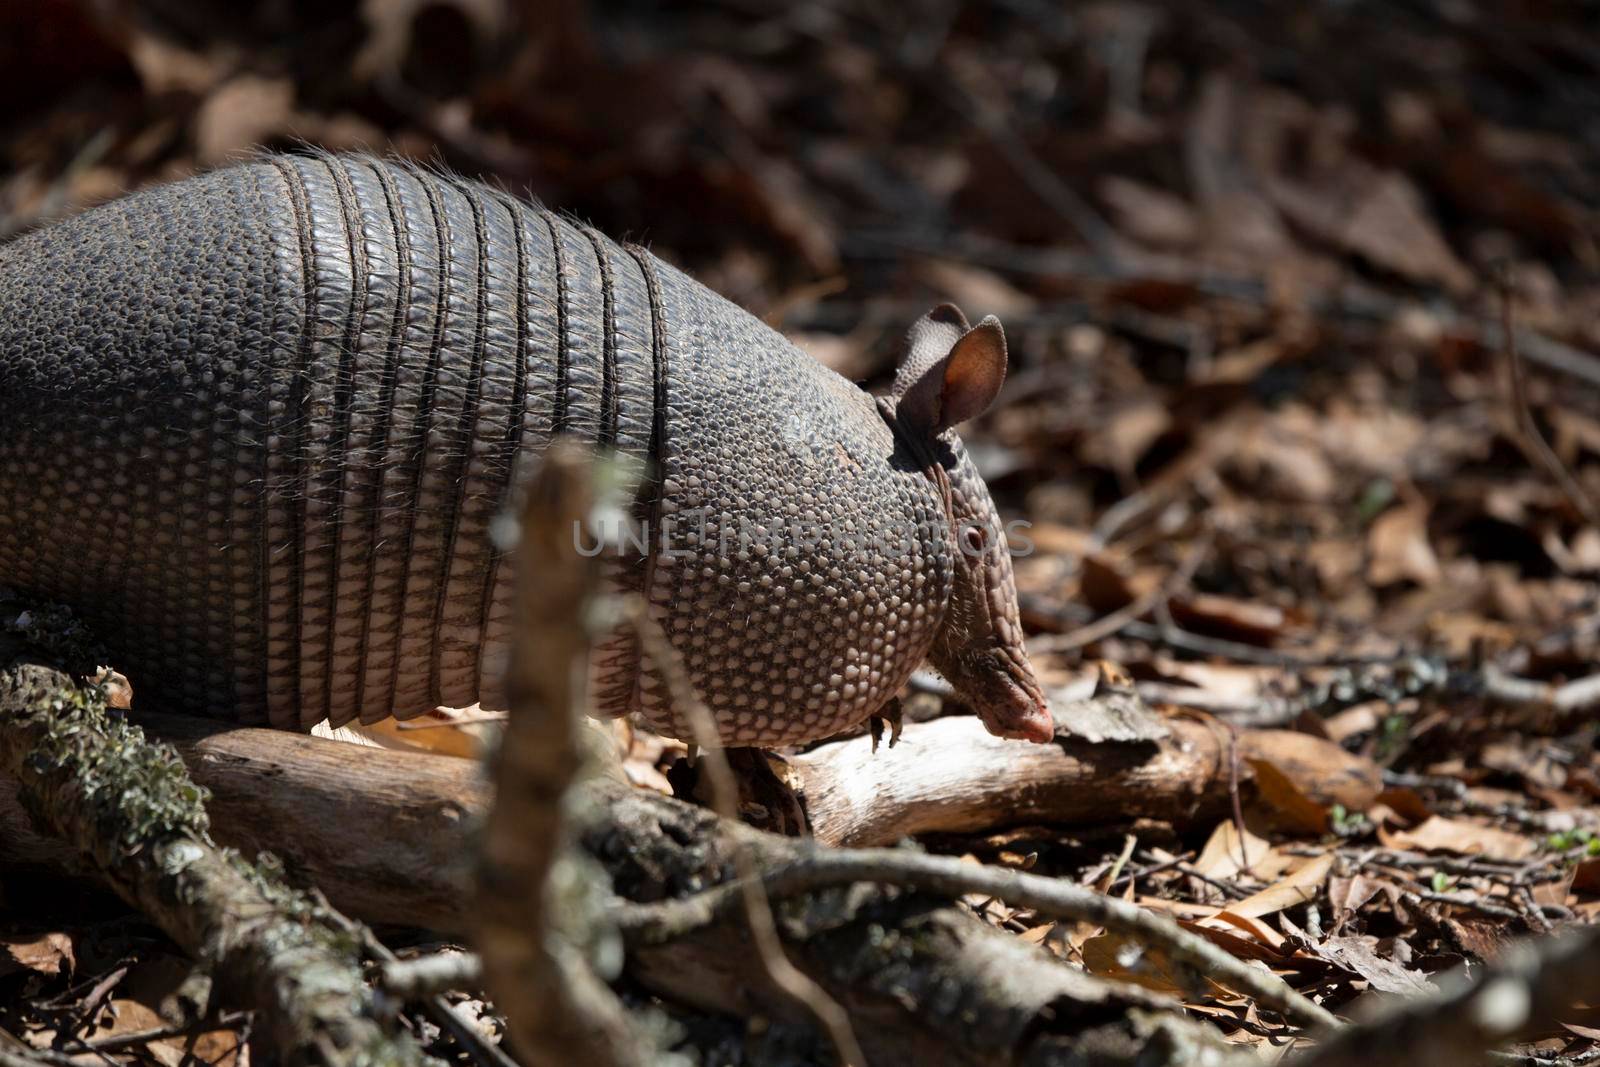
255,426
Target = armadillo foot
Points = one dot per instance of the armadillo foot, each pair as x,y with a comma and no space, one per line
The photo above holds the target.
890,714
766,800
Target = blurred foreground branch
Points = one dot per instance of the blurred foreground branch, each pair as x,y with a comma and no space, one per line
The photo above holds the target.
540,918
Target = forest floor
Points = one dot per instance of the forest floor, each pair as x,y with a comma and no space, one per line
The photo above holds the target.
1256,267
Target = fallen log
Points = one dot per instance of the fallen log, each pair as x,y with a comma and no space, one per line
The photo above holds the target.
912,971
381,830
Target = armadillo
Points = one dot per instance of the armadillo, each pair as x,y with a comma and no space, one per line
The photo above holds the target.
256,425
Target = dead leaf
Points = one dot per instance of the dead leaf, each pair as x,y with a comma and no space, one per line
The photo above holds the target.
1127,435
1228,617
1398,548
1260,931
1359,954
1220,859
1347,895
1126,959
1260,944
1378,215
1290,807
975,290
46,954
1586,877
1111,580
1463,838
1298,887
1150,215
241,114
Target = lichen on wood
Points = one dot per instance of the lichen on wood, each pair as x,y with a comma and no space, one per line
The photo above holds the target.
132,813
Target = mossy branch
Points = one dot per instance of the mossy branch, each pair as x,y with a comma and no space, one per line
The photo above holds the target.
133,814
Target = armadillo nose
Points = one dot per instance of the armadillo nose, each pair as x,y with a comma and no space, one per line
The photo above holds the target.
1023,716
1034,723
1040,727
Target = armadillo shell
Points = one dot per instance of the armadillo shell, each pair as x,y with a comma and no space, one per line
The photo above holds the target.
256,426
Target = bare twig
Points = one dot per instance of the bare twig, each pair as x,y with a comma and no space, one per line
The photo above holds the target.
655,923
223,1021
436,973
480,1048
1533,441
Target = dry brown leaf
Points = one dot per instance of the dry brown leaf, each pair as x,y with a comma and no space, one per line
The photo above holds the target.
1347,895
1398,548
1297,887
1220,858
975,290
1148,214
1378,215
1360,955
123,1017
1463,838
1290,807
1111,580
46,954
1124,958
241,114
1360,719
1239,620
1127,435
1260,944
1586,877
1038,935
1260,931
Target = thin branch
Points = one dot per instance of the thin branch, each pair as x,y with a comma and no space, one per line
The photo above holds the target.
946,876
223,1021
470,1038
1111,623
427,975
1533,441
536,909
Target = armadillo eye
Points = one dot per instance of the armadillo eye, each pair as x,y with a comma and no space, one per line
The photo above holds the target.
975,539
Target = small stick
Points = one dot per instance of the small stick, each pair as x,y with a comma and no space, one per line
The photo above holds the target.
1533,441
667,920
427,975
1109,624
531,919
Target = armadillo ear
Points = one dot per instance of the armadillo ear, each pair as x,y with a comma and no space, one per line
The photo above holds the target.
919,380
951,372
973,374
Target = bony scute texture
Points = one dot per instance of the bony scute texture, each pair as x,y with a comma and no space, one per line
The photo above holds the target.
259,424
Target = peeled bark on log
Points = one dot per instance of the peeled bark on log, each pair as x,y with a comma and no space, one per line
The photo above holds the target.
951,775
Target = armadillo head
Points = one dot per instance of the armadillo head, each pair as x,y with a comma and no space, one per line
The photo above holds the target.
952,372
